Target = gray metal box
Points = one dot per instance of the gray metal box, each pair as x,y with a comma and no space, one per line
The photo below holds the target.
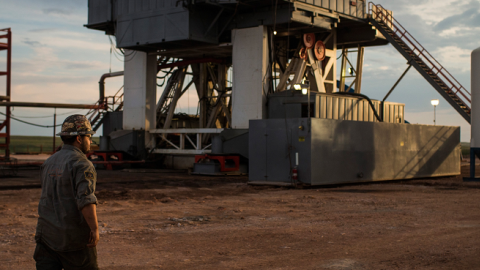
354,8
99,12
336,151
291,104
141,23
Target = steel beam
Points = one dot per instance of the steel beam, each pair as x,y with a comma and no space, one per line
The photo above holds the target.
187,130
316,71
183,151
176,96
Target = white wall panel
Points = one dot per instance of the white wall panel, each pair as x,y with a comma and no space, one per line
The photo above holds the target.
249,68
140,91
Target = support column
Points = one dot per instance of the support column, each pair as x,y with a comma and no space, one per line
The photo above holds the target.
359,73
475,114
250,65
140,92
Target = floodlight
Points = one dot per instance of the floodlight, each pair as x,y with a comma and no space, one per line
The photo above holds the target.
434,103
274,32
304,91
297,86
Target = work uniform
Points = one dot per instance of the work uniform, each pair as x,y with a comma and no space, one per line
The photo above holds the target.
68,185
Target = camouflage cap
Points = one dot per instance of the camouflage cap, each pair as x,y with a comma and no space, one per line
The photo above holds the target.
76,124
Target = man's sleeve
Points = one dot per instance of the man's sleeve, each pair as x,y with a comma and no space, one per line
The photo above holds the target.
85,181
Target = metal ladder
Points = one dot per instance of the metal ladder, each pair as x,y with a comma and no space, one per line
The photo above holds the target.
453,92
97,115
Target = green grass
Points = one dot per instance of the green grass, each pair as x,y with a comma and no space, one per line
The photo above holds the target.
465,149
35,144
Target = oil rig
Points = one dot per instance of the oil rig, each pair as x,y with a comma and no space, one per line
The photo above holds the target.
271,102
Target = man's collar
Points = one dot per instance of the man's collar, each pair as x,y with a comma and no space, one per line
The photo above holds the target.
71,147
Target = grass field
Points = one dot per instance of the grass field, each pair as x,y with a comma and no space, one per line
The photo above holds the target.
465,149
35,144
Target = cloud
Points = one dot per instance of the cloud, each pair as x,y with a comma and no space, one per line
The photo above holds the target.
56,11
434,11
469,17
43,30
82,64
454,58
32,43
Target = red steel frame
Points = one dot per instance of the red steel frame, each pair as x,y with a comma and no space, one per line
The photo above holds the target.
6,34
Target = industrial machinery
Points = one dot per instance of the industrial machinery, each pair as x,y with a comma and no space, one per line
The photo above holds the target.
270,99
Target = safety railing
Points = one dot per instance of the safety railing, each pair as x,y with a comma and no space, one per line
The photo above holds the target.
380,14
108,103
183,133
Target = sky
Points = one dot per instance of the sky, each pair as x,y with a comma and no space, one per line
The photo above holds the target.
56,59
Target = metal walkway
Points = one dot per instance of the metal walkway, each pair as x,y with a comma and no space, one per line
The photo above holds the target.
421,59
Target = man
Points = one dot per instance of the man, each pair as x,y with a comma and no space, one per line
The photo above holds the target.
67,228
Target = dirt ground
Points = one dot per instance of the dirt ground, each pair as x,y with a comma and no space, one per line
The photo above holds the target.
164,220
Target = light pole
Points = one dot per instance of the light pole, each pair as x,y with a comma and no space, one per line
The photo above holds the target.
434,103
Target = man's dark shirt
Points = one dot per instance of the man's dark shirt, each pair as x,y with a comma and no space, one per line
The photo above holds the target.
68,184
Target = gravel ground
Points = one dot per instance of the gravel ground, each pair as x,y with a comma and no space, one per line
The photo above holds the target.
165,220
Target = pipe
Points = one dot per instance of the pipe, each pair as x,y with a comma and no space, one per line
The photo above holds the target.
102,82
50,105
365,97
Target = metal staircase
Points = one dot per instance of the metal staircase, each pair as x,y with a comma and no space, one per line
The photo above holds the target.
97,115
416,55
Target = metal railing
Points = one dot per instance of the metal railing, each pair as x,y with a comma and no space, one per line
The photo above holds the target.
380,14
107,104
181,147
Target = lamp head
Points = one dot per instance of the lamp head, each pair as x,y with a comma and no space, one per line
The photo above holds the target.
434,102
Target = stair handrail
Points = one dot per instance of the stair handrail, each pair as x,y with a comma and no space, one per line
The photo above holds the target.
94,113
397,27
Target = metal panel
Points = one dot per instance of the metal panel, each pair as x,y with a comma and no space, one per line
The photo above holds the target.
257,149
273,145
329,104
289,104
99,11
351,151
346,7
382,151
340,6
112,121
361,7
146,22
335,102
